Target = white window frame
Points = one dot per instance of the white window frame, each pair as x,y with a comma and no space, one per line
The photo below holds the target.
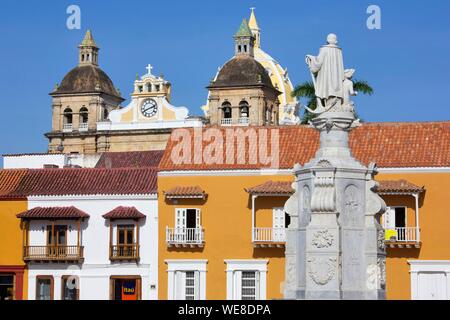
175,269
393,216
428,266
183,211
234,270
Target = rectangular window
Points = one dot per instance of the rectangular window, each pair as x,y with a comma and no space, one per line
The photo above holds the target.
60,236
70,288
125,234
249,285
394,217
188,285
6,287
44,288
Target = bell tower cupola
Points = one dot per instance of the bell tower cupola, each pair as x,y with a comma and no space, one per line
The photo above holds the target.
88,50
244,40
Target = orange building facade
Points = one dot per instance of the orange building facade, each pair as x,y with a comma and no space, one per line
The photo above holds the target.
13,273
222,225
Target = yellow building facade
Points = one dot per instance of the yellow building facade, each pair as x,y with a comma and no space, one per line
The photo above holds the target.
12,267
221,225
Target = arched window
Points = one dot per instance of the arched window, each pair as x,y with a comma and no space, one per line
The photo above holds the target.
226,108
243,109
84,115
105,114
67,116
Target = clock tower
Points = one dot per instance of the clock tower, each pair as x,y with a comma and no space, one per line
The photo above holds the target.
149,118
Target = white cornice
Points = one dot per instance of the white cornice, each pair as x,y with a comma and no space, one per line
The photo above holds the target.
249,172
415,170
274,172
152,196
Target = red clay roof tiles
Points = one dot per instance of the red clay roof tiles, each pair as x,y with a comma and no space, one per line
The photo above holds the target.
393,186
135,159
185,192
392,145
71,181
272,188
53,213
124,213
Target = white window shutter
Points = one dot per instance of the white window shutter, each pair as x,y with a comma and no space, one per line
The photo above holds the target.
257,285
198,218
180,218
237,290
197,285
389,218
180,285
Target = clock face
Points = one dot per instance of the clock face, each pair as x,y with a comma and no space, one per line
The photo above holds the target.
149,108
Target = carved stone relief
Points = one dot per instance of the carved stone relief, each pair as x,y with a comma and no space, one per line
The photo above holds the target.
322,239
322,269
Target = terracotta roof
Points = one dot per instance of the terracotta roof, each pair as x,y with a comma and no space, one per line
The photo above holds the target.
185,192
242,71
52,213
9,180
87,79
284,187
72,181
124,213
390,145
395,186
137,159
272,188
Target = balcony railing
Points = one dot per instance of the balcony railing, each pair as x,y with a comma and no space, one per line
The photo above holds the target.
124,252
83,127
67,127
237,122
406,235
185,236
243,121
269,235
53,253
227,122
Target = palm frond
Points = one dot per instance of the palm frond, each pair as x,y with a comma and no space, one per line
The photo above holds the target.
362,86
304,90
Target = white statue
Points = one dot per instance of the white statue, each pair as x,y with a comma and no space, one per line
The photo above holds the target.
327,70
348,90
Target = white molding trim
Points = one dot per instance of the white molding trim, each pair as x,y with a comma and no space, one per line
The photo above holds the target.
234,265
174,265
428,266
415,170
256,172
150,196
250,172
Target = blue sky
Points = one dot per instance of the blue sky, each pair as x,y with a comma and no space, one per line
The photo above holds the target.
405,61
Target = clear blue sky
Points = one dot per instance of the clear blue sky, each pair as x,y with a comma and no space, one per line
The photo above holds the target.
406,61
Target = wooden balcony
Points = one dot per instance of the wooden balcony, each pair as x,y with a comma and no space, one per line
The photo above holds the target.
53,253
124,252
269,237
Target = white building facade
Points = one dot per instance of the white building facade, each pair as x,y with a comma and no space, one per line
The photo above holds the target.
95,257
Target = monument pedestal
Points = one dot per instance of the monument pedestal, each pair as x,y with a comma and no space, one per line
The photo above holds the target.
335,244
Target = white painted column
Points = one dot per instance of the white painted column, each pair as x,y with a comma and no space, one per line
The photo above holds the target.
253,217
416,197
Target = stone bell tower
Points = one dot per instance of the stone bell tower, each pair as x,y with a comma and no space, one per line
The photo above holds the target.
335,243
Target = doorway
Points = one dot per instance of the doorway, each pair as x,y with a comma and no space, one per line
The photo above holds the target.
6,287
126,288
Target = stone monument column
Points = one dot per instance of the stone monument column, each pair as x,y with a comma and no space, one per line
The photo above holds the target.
335,243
